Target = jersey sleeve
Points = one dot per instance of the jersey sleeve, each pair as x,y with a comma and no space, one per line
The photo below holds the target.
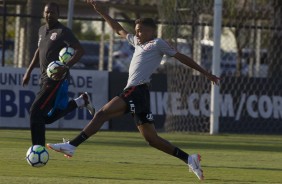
131,39
165,48
40,33
69,37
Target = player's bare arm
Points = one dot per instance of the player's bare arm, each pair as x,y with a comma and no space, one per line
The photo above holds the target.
79,51
191,63
33,63
114,24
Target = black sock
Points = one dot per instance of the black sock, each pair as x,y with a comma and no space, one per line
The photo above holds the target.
79,139
181,155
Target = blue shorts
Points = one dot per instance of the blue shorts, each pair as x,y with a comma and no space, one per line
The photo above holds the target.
137,99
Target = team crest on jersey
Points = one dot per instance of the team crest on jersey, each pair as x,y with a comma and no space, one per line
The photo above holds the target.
53,36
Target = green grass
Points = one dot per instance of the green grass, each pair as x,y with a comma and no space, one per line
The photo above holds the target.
122,157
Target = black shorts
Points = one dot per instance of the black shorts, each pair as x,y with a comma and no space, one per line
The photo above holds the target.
137,99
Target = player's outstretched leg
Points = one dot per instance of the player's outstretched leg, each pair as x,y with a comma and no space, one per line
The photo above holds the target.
195,166
149,133
66,148
114,108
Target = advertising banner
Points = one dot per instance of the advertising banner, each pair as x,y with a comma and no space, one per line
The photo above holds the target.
241,109
15,100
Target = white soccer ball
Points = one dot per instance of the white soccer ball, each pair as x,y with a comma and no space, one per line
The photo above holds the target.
51,69
66,54
37,156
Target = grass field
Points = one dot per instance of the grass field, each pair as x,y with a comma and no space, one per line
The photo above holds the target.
122,157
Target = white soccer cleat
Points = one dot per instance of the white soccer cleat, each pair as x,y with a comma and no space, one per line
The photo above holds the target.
88,103
64,147
194,165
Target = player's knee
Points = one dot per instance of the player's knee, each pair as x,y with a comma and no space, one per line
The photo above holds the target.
101,115
36,117
152,140
33,112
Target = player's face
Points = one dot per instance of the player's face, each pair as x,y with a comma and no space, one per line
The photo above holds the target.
144,33
51,15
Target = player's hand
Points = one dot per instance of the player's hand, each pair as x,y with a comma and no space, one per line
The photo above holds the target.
214,79
61,70
25,80
94,4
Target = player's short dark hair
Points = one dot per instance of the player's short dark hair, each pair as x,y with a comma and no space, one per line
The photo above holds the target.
147,22
53,4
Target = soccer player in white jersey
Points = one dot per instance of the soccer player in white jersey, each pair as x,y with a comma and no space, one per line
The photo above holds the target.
135,97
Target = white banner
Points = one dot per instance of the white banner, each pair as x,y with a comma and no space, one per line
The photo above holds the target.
16,100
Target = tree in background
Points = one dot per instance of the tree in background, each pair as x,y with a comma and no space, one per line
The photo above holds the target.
32,27
275,44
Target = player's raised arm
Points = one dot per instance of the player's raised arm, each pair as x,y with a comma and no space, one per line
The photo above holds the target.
191,63
114,24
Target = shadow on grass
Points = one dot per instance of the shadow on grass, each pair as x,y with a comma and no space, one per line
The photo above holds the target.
238,181
117,178
193,145
247,168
